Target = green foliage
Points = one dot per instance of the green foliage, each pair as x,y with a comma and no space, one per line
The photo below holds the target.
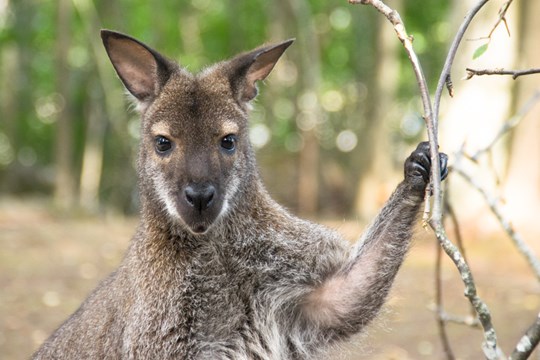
196,33
480,51
427,21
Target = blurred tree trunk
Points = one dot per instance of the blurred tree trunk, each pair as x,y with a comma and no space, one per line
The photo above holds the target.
105,105
92,162
94,114
309,60
191,34
233,8
64,183
376,179
522,187
9,68
482,104
19,88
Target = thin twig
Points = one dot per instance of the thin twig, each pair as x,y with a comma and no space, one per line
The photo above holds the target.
470,321
395,19
515,73
445,74
501,18
528,342
507,126
490,348
441,319
445,79
458,236
494,204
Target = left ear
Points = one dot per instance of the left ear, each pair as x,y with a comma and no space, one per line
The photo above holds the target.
246,69
143,70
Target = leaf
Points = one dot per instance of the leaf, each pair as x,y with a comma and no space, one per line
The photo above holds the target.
479,51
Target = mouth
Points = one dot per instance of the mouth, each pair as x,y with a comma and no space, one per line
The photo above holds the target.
195,222
199,229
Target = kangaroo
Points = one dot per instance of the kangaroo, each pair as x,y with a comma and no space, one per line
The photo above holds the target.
216,268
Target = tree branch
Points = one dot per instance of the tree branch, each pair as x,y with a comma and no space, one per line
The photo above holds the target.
441,319
490,348
468,320
495,203
507,126
445,77
514,73
528,342
442,316
395,19
451,214
502,18
495,206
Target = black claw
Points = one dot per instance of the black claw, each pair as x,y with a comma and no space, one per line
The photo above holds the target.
444,165
418,166
419,169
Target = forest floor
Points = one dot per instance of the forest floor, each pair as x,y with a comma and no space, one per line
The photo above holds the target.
49,263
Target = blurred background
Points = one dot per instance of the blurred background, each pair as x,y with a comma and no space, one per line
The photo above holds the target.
332,126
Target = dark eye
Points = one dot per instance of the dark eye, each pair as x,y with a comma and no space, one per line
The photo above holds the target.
163,144
228,143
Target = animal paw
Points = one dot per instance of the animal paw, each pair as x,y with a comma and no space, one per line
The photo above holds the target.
418,167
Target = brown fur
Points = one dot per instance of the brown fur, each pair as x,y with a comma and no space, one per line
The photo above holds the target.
217,269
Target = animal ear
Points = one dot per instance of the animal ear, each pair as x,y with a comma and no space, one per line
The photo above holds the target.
142,70
248,68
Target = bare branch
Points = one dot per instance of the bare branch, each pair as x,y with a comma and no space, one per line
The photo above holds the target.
441,320
494,204
395,19
502,18
507,126
528,342
451,214
515,73
469,321
490,348
445,74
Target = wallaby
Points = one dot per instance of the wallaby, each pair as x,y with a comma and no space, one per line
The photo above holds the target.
217,269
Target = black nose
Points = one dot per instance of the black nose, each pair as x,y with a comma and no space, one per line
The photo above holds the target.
200,196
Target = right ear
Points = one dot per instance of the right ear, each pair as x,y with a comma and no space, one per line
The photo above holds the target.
249,68
143,70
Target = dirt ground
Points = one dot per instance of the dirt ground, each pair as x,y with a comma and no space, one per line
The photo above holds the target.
49,263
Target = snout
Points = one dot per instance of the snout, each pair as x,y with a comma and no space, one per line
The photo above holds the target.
199,205
200,197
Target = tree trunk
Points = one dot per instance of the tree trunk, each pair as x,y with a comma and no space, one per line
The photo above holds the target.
20,88
522,185
64,182
310,78
9,64
376,180
105,106
92,162
480,105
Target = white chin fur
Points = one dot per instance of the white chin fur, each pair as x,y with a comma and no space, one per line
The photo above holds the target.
165,197
167,200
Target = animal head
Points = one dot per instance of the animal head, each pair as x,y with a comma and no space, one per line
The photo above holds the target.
195,156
